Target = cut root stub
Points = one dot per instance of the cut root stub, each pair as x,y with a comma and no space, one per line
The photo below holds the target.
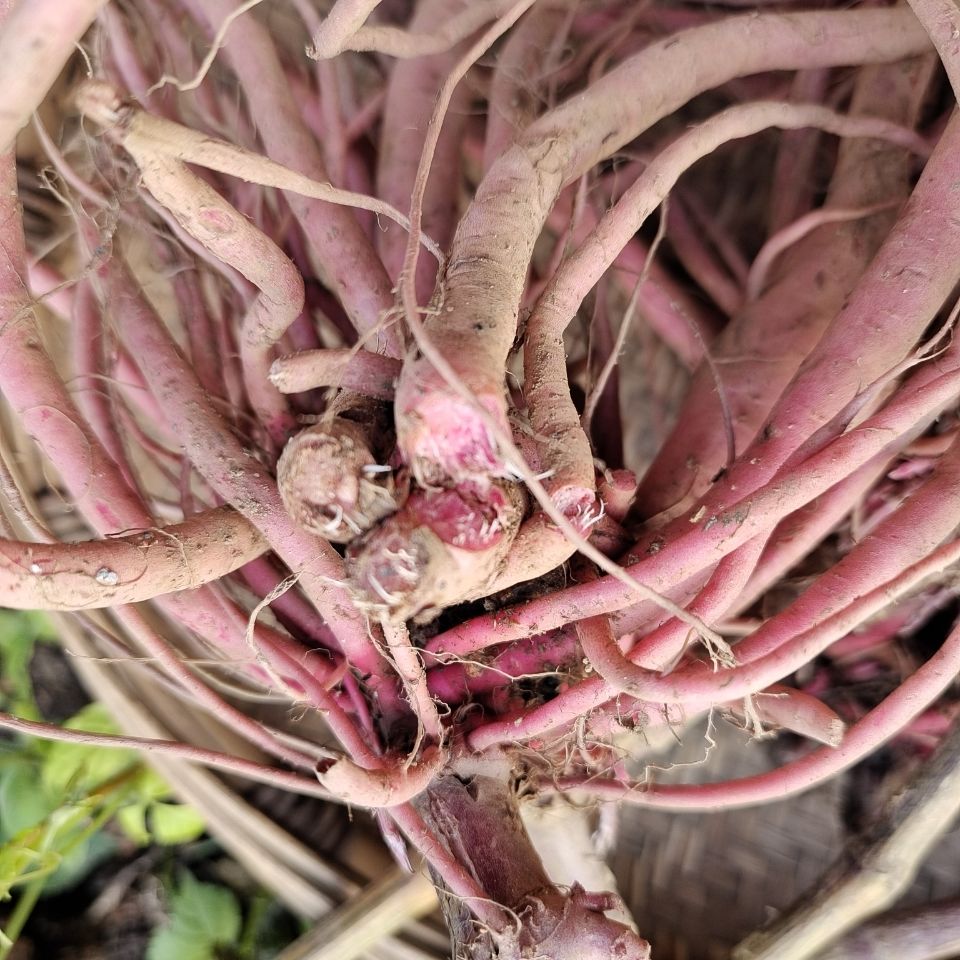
441,548
444,438
332,484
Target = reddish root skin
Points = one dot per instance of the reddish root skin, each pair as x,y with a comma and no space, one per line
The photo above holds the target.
440,434
591,693
790,709
290,606
679,552
334,234
662,647
218,226
230,468
600,646
552,411
351,33
410,97
692,250
257,772
767,657
655,653
94,400
514,93
796,536
550,654
36,40
908,701
540,546
38,395
682,322
805,406
617,490
487,267
793,187
787,641
389,786
758,357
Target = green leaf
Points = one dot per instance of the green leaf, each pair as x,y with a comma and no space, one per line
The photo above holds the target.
170,944
149,785
24,801
79,862
18,635
23,858
132,820
203,917
205,911
41,626
173,823
78,768
268,929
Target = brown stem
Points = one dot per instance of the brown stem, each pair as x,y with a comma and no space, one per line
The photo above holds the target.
478,819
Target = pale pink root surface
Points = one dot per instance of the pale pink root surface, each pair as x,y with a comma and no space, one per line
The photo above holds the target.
359,371
349,262
389,786
36,40
136,567
765,343
487,268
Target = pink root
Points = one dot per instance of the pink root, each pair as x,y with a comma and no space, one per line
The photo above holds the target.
385,787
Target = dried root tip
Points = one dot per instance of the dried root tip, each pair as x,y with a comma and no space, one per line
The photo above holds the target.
441,548
98,101
387,787
332,484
